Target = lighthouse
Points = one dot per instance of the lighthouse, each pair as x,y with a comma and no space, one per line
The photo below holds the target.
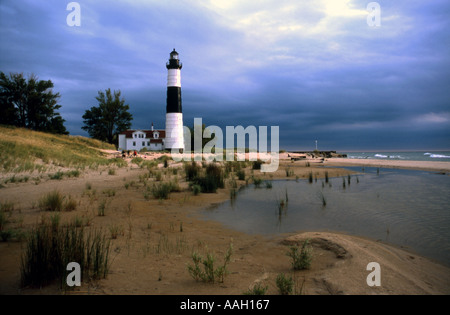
174,115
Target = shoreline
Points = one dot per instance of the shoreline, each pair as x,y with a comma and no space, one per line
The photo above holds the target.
433,166
151,254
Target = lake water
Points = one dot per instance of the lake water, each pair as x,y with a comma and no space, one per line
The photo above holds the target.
402,207
402,155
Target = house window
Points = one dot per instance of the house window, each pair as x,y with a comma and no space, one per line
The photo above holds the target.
134,143
148,143
143,143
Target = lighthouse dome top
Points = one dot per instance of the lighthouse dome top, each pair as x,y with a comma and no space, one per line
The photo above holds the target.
174,61
174,54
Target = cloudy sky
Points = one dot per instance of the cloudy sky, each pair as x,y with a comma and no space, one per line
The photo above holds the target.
316,69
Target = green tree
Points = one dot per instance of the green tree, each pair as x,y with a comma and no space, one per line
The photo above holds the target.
30,103
109,118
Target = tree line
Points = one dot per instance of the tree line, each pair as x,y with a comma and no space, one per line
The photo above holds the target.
31,103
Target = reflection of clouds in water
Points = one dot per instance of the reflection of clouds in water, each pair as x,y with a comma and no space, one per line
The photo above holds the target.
407,208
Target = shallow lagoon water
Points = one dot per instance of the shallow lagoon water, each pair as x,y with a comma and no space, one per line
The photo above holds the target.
401,207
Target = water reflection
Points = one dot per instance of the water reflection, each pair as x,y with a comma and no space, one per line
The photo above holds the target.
403,207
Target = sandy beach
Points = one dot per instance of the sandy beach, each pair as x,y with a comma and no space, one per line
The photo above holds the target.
157,238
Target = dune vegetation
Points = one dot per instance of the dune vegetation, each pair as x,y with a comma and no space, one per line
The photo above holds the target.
24,150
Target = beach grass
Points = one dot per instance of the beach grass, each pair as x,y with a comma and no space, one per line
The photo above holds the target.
33,151
49,249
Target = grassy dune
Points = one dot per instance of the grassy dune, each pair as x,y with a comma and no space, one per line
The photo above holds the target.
23,150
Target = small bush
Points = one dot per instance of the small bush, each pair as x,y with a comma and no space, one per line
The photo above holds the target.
111,171
212,180
209,273
74,173
109,192
257,289
137,160
301,260
285,285
191,170
257,164
257,182
57,176
161,190
268,184
53,201
241,174
289,172
196,189
70,204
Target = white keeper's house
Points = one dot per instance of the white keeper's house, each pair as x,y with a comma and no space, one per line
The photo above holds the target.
136,140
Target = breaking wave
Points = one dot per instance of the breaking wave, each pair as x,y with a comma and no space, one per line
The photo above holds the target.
439,156
382,156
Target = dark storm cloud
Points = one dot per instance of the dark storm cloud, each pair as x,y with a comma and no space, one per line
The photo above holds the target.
316,69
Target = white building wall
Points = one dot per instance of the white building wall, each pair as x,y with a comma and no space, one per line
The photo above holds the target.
137,143
122,142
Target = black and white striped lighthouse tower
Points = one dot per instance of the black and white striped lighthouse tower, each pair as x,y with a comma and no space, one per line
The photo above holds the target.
174,114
